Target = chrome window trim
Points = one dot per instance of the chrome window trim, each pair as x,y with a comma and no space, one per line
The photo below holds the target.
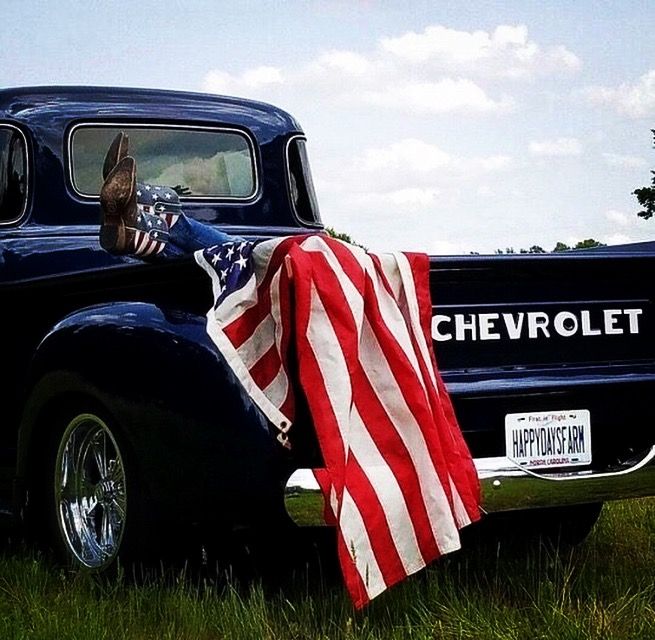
287,170
252,147
6,223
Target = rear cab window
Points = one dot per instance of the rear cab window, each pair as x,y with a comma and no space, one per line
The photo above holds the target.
203,163
301,185
13,174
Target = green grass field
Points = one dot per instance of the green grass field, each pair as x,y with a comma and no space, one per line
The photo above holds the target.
602,589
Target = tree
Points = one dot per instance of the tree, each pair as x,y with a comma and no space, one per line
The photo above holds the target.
340,235
646,195
589,243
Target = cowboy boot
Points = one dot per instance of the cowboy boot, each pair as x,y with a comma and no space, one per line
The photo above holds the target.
160,200
126,228
118,149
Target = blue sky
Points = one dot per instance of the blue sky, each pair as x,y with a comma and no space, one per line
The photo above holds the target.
443,127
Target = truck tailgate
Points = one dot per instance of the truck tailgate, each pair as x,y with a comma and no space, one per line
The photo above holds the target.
520,335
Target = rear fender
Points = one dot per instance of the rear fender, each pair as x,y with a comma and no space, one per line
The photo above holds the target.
200,442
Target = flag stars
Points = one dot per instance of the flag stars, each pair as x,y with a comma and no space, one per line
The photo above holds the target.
241,262
215,258
148,187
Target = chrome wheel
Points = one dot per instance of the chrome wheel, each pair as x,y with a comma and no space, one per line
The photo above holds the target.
90,497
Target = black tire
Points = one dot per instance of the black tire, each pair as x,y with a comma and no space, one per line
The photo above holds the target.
560,526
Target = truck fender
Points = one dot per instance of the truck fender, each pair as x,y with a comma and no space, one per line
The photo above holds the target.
187,421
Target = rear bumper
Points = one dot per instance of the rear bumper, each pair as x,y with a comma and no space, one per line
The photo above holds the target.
505,487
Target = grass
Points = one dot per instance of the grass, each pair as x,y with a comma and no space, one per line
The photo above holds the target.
602,589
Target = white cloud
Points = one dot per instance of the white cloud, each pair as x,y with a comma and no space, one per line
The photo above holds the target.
617,217
444,96
347,62
447,248
636,100
439,70
403,200
252,79
416,160
624,228
507,51
618,238
556,148
416,155
624,162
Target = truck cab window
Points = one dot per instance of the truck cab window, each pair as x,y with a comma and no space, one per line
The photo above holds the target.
13,175
211,163
301,185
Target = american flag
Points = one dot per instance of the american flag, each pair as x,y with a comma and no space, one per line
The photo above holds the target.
399,481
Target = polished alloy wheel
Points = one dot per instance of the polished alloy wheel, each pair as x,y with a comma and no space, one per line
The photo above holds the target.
90,496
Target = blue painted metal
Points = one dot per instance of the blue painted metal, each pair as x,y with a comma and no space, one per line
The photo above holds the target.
71,314
179,407
46,114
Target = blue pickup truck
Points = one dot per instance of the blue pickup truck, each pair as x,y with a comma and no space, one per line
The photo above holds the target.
122,427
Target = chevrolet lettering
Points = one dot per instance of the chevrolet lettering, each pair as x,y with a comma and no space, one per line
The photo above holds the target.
124,432
535,324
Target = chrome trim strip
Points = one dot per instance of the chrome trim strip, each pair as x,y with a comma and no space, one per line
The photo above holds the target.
5,223
506,486
252,146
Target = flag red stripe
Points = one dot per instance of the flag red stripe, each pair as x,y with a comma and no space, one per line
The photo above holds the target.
381,427
373,515
413,392
351,577
266,368
459,461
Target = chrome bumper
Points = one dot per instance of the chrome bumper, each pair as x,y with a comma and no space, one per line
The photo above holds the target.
506,486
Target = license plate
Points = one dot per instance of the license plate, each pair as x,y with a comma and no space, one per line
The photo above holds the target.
544,439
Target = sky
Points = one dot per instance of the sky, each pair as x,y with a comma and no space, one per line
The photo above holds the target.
446,127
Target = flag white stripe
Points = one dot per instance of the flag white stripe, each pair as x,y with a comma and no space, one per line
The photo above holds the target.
388,306
278,389
352,295
262,255
386,487
432,492
234,361
236,364
359,546
233,305
334,371
411,303
258,343
393,319
337,380
461,516
357,439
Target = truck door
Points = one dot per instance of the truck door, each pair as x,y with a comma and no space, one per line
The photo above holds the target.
13,202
